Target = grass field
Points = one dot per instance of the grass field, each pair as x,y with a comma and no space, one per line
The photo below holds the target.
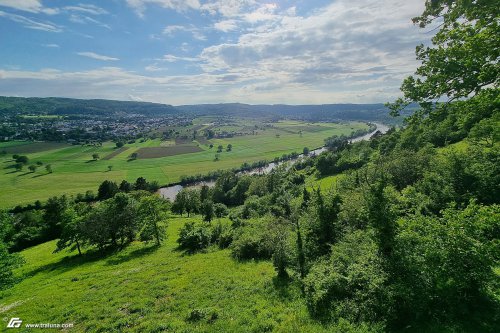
149,289
74,171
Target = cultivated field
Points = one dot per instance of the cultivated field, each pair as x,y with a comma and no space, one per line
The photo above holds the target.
74,170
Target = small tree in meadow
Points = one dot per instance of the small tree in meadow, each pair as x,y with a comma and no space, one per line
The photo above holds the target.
95,156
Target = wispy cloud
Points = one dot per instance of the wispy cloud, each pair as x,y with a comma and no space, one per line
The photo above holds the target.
54,46
97,56
139,6
173,58
196,32
87,8
31,24
82,19
32,6
226,25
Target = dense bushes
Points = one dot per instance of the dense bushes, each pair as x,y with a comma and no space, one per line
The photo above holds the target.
195,236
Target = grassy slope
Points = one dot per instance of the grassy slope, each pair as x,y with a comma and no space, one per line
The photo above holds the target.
144,289
75,173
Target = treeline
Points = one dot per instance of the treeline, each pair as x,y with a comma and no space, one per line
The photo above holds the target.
39,222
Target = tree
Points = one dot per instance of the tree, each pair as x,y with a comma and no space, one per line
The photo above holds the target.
8,262
463,58
305,151
219,149
95,156
22,159
141,184
152,212
207,210
19,166
134,156
71,228
39,163
107,190
487,130
48,167
229,147
32,168
220,210
53,215
192,204
277,239
110,167
119,144
125,186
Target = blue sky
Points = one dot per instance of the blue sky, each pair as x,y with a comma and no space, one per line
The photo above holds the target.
209,51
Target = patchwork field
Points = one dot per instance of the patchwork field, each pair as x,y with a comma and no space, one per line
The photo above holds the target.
75,171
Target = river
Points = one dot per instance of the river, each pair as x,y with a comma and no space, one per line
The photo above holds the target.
170,192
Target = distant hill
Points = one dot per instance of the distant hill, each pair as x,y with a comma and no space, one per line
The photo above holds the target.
326,112
70,106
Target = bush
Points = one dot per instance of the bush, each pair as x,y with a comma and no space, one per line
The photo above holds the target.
351,283
195,236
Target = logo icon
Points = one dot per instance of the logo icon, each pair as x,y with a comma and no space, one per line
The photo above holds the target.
14,323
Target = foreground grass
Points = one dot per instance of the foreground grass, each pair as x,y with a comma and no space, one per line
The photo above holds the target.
150,289
75,172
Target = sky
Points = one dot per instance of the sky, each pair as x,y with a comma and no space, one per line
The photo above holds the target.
209,51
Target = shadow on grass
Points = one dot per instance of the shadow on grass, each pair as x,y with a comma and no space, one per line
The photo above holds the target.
73,261
132,255
282,285
91,161
40,175
24,174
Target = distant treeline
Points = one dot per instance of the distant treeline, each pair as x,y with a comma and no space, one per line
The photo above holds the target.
72,107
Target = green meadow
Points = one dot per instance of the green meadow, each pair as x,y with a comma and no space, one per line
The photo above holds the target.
155,289
74,170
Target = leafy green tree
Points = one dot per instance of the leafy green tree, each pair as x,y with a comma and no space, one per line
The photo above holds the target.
32,168
19,166
277,239
119,144
152,211
71,224
125,186
54,215
141,184
8,262
207,210
229,147
305,151
22,159
487,130
95,156
220,210
134,156
110,167
463,57
107,190
48,168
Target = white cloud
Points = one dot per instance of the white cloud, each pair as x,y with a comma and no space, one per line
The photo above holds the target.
172,29
226,25
32,6
82,19
55,46
96,56
139,6
173,58
32,24
87,8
